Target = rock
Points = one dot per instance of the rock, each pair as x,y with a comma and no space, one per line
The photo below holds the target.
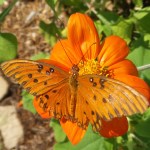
3,87
10,127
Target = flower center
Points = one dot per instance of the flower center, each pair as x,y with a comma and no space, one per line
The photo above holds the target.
92,66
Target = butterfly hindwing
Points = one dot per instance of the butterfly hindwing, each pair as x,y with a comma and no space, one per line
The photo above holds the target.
85,112
55,102
36,77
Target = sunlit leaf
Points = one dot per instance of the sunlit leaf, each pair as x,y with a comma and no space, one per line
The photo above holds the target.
59,134
123,29
40,55
138,3
8,46
28,102
1,2
142,13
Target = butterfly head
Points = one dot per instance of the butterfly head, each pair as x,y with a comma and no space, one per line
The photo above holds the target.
75,70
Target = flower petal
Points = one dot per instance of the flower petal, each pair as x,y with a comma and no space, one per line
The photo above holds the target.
123,67
41,112
136,83
64,54
115,127
113,49
74,133
83,36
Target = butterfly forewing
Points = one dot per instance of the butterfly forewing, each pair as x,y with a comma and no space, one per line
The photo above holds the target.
108,98
36,77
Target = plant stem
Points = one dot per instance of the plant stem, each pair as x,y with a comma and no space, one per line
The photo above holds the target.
144,67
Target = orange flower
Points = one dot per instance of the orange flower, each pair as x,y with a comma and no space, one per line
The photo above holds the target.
108,58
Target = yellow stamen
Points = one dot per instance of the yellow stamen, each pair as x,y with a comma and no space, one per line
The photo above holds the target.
92,66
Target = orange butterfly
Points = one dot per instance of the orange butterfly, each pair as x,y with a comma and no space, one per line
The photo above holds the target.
80,99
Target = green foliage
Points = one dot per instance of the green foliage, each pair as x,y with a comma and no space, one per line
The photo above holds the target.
1,2
28,102
140,54
59,134
52,4
138,3
141,20
7,10
49,31
40,55
8,46
123,28
142,128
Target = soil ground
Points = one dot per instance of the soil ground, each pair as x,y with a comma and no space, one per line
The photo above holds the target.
23,21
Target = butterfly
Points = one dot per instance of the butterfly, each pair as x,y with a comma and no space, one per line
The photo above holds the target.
80,99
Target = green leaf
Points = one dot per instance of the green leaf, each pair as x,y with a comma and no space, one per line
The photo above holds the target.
142,128
111,17
140,55
144,23
123,29
136,142
1,2
59,134
90,141
99,26
142,18
28,102
142,13
52,4
7,10
8,46
138,3
40,55
106,29
49,31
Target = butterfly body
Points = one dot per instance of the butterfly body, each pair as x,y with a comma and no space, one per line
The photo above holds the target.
73,82
80,99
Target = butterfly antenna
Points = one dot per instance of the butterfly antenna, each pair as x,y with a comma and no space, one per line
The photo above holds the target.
85,53
64,48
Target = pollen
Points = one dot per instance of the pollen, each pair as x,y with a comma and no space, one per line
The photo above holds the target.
92,66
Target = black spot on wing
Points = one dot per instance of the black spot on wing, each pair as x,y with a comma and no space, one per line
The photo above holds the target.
104,100
94,97
51,70
91,79
102,81
94,84
40,68
45,82
29,75
35,80
54,91
47,72
46,96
